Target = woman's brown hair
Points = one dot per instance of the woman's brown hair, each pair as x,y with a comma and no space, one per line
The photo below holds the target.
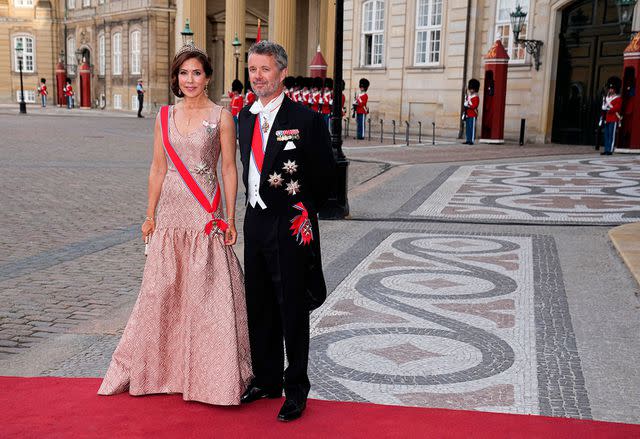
177,63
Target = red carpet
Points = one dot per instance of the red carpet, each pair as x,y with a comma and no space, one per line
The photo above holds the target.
70,408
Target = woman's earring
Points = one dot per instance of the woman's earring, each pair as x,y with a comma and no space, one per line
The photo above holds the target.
206,89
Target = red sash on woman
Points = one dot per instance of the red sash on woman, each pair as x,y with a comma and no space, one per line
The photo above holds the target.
188,179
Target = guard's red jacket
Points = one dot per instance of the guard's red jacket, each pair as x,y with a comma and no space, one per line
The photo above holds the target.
327,102
361,103
251,97
237,102
472,103
613,106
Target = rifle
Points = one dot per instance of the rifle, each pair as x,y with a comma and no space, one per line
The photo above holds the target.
354,106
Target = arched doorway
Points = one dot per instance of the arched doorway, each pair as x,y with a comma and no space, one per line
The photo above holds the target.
590,51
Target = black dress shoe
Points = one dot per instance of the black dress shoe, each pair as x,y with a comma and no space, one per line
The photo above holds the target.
603,153
253,393
291,410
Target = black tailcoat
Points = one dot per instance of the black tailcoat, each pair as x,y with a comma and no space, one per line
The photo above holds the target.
284,279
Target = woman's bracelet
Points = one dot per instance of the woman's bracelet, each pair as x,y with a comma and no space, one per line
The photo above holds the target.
148,218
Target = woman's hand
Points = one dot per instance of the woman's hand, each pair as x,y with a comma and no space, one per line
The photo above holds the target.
148,227
230,235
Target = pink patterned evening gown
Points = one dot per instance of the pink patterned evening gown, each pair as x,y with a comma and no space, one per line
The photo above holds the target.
188,329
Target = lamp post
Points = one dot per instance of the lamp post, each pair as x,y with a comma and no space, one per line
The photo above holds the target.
518,17
20,53
236,51
337,206
625,14
187,33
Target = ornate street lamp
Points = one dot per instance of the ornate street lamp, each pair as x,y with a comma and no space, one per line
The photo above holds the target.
625,14
20,53
337,207
187,33
236,51
518,17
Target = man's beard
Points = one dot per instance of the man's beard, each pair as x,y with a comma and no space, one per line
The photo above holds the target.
268,90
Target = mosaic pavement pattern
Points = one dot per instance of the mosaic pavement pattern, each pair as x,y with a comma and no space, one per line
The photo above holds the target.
451,320
584,191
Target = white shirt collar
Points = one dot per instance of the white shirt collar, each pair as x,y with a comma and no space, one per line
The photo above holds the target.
257,106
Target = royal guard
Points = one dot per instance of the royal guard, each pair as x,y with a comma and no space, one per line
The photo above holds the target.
360,107
611,114
68,92
42,91
237,101
316,95
305,93
250,97
470,113
327,100
289,86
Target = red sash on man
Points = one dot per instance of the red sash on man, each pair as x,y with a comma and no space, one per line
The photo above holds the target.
188,179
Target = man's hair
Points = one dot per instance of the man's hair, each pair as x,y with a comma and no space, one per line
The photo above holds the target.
270,48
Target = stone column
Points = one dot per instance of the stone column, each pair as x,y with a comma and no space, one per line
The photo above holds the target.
234,24
284,29
328,31
196,12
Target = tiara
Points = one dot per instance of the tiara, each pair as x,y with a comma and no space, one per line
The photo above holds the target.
189,46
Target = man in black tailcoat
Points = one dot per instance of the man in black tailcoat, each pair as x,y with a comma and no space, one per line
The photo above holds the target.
288,168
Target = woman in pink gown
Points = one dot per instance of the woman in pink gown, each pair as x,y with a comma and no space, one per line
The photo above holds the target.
188,329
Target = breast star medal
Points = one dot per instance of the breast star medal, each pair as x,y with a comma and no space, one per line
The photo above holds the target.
293,187
290,167
275,180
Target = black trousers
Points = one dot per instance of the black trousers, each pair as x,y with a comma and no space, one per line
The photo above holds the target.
277,306
140,103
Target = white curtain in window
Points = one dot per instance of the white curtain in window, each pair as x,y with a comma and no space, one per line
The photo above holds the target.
71,50
117,53
102,58
135,52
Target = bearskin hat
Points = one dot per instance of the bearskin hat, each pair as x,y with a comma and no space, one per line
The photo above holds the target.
289,82
474,84
236,85
364,83
615,83
318,82
328,83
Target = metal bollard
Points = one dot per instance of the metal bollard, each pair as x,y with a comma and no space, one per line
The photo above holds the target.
369,129
522,124
393,122
407,132
419,132
433,134
381,129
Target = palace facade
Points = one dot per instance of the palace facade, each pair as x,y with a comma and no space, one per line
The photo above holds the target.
417,54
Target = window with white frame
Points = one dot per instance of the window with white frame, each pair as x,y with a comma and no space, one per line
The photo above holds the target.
28,58
23,3
134,43
504,32
86,3
428,32
71,53
71,4
29,96
102,55
372,32
117,101
117,54
134,102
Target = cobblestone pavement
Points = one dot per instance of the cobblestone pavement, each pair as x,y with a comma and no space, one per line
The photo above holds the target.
539,318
